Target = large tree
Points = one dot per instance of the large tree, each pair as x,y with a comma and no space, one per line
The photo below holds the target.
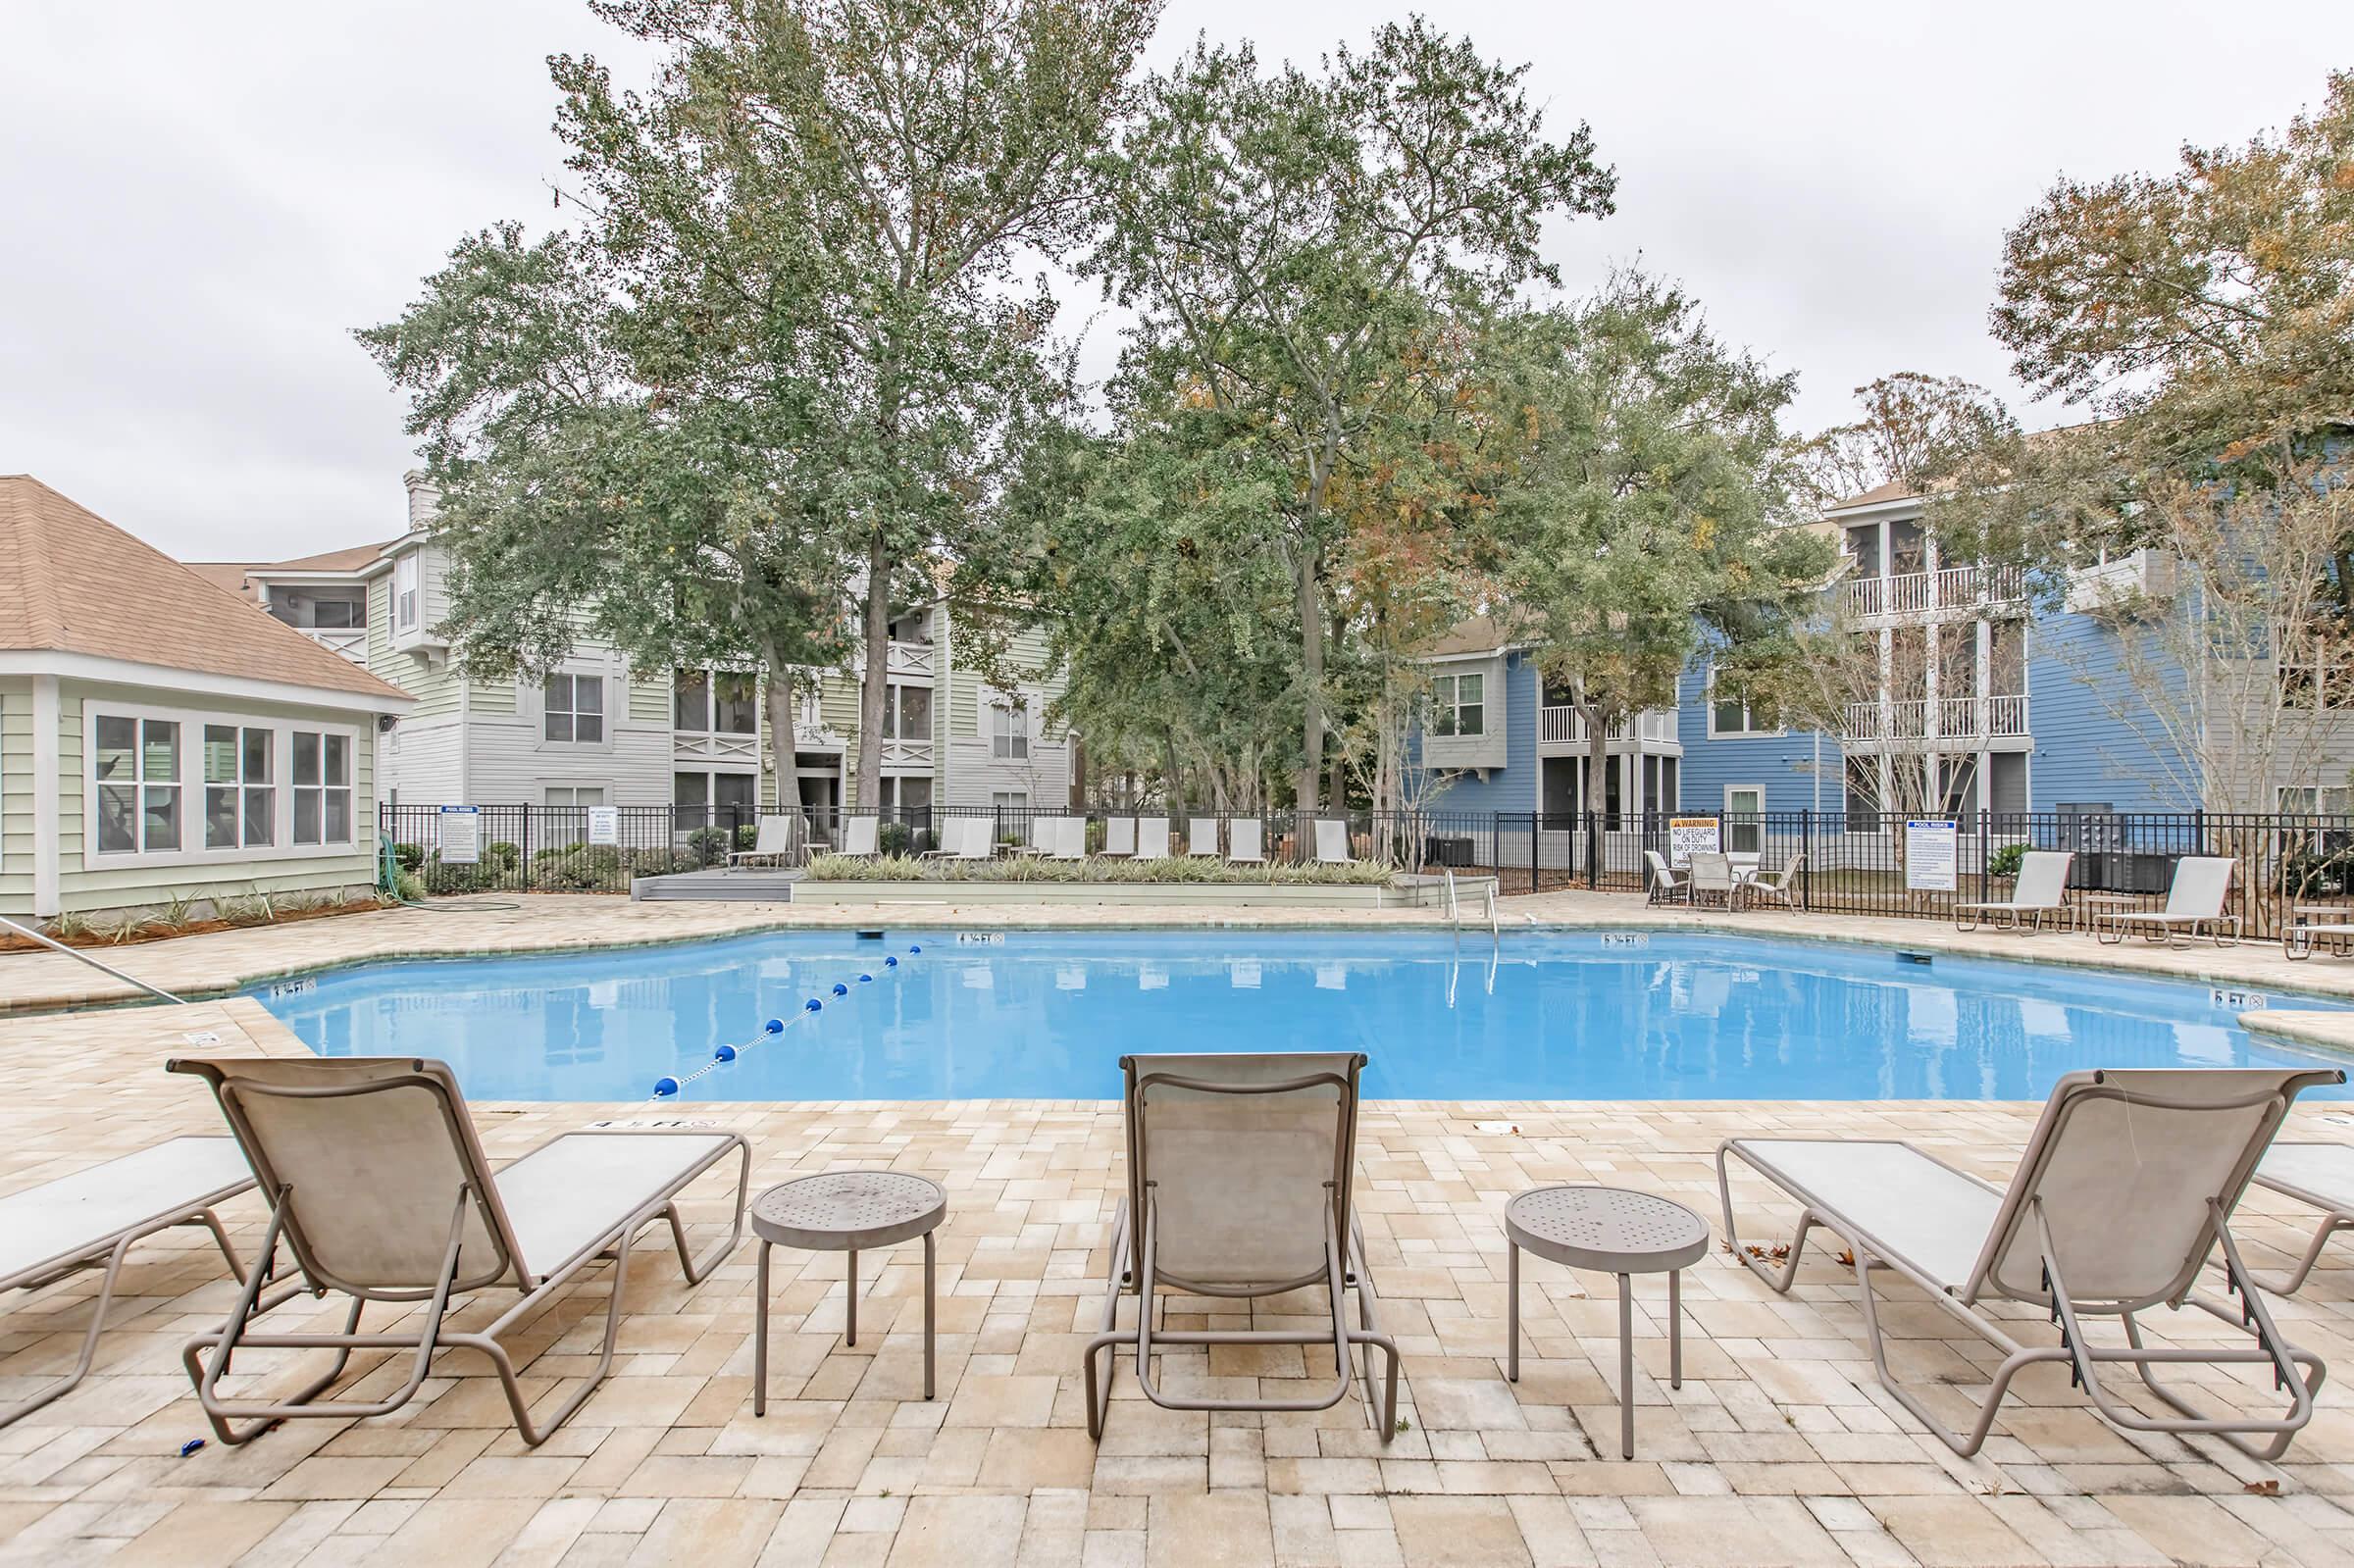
1294,243
787,356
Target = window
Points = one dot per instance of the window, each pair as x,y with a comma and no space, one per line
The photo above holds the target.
404,593
727,702
1458,705
907,794
574,709
1729,712
702,799
2321,675
321,772
1008,730
135,766
575,795
240,807
2327,800
1863,795
691,701
907,715
338,615
1010,799
1744,820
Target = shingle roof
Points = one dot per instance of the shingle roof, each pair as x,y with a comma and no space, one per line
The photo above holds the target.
72,583
1893,490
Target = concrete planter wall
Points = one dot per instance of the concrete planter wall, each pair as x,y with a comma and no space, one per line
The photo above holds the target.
1207,894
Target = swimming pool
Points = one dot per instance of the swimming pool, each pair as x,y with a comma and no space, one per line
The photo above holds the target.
1047,1015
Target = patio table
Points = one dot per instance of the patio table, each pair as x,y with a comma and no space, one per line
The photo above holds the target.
844,1211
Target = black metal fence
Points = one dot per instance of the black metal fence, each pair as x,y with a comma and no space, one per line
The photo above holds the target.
1846,862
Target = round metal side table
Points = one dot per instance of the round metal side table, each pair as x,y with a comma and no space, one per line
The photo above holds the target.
844,1211
1611,1231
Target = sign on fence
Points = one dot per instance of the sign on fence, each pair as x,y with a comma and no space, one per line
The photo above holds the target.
1690,836
1932,854
461,837
604,825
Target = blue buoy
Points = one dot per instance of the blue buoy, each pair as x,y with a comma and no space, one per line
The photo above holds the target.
814,1005
914,948
866,980
665,1085
775,1025
840,989
726,1053
891,962
191,1446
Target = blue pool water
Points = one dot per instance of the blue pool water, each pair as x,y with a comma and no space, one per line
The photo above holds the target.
1048,1015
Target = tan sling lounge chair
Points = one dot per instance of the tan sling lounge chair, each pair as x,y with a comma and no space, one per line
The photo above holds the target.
1245,842
2194,898
2041,889
93,1216
1332,842
1153,839
1239,1177
1201,837
782,839
2126,1187
2319,1174
377,1185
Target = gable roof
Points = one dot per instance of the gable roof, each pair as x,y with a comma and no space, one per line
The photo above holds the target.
72,583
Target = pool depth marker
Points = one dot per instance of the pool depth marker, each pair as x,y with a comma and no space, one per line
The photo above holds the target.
668,1085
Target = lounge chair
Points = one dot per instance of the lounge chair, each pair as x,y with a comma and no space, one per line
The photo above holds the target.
954,833
1773,885
2193,899
1066,839
2041,889
1119,836
1153,839
1667,884
377,1183
859,838
1238,1175
1711,876
1332,842
2319,1174
2125,1186
1201,837
779,841
1245,842
94,1215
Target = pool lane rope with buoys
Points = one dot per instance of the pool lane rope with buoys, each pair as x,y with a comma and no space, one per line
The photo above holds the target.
669,1084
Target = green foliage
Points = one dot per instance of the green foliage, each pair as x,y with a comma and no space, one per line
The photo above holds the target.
895,838
409,888
1036,869
748,835
709,846
70,925
2005,860
409,856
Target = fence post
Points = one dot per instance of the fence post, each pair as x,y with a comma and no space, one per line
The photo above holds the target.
1593,851
1806,857
1986,826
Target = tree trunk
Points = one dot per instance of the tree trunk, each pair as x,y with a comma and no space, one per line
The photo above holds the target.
868,783
1598,760
1311,678
780,730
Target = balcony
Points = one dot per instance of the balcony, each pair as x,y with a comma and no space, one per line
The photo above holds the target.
1959,720
349,641
1566,726
915,660
1949,589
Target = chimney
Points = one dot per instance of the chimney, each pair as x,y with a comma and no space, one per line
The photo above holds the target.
424,498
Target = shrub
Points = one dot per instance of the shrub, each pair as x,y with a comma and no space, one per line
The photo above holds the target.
2005,861
503,854
410,856
895,838
409,888
1033,869
748,835
709,845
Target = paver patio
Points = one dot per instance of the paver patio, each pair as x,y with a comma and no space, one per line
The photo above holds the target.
1779,1448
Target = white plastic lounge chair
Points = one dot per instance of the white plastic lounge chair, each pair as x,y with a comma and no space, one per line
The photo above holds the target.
1119,836
377,1183
1201,837
1245,842
954,832
2041,889
1239,1176
1667,884
2125,1186
859,835
94,1215
1332,842
2195,898
2319,1174
1066,839
778,842
1773,885
1153,839
1711,877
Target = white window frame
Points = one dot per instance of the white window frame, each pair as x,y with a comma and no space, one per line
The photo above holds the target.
893,724
1008,741
1010,799
709,726
240,788
604,710
408,591
549,793
1749,730
325,788
1738,821
191,721
2316,798
1447,696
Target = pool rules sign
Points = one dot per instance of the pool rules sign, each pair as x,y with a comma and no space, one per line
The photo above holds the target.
461,834
1932,854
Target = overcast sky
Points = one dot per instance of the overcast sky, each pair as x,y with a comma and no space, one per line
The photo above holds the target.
197,203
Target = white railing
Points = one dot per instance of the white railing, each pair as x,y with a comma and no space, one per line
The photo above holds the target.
1564,725
349,641
1953,588
1561,725
1956,719
910,658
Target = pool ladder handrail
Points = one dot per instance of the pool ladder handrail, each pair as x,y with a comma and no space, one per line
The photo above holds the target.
46,941
1454,906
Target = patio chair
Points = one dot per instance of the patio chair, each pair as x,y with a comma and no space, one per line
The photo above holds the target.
2193,899
954,833
1201,837
1153,839
859,838
379,1187
1245,842
2125,1186
781,840
1066,839
1773,885
1119,836
2041,889
1667,884
1711,876
1239,1176
2319,1174
93,1216
1332,842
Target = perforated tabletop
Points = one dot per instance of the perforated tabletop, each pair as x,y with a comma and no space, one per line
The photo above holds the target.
1607,1229
849,1211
